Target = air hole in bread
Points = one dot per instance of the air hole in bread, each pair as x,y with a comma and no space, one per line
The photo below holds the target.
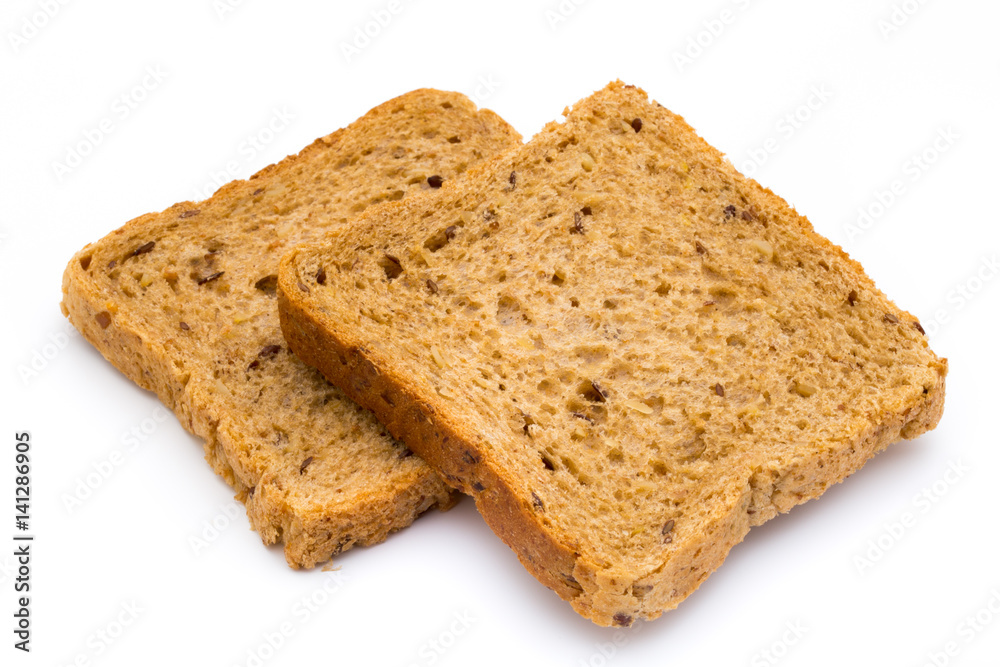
509,312
268,285
391,266
591,354
441,238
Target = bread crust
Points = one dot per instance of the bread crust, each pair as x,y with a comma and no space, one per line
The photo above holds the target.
311,531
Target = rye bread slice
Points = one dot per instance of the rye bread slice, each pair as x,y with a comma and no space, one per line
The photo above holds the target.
624,350
183,302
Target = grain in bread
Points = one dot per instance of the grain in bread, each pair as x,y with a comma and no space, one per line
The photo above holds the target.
624,350
183,303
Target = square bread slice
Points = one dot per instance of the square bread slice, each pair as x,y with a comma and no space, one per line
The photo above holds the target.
626,351
183,303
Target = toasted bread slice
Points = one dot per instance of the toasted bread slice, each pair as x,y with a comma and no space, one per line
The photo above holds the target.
183,303
627,352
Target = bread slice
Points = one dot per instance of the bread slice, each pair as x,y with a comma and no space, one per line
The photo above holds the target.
627,352
183,303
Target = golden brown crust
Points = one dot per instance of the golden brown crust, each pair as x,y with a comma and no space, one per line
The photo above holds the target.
313,524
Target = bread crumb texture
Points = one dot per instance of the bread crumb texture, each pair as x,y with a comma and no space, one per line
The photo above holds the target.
184,303
627,352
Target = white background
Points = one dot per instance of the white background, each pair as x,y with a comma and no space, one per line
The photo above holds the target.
885,97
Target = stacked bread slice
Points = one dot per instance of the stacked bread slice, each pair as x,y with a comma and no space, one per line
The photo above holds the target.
628,353
184,303
624,350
